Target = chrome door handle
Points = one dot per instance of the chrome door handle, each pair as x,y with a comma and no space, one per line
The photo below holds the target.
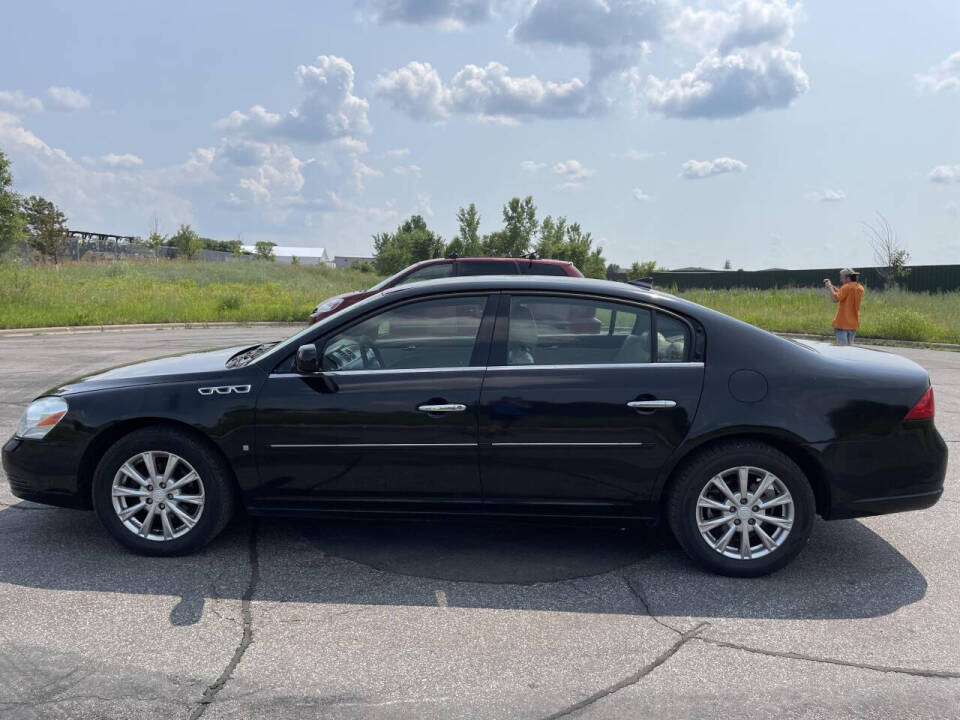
651,404
445,408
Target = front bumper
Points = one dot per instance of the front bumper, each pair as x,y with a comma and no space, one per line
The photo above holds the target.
43,472
901,472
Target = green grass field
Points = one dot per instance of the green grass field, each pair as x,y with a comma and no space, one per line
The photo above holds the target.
149,292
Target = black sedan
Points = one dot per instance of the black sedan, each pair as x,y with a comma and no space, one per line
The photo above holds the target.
477,396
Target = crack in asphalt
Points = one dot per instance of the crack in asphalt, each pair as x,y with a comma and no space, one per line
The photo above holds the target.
786,655
916,672
638,594
631,679
246,638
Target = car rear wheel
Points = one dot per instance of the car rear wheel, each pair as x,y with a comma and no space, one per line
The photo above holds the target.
160,491
742,508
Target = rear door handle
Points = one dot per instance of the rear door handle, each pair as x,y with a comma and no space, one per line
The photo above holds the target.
445,408
652,404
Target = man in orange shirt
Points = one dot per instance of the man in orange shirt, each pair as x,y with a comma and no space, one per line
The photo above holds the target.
848,297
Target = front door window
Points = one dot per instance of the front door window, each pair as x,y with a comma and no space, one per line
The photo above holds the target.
438,333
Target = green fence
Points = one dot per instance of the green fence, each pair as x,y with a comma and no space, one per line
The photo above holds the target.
922,278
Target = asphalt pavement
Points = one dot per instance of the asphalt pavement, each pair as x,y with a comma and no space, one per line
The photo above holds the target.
284,618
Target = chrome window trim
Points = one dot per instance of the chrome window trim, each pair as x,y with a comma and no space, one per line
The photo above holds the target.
568,444
370,445
588,366
475,368
384,371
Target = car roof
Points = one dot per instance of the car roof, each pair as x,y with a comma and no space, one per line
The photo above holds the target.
543,283
539,261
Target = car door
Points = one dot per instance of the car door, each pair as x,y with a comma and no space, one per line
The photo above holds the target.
391,418
583,402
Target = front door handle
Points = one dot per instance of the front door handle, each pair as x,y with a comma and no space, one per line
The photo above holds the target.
444,408
652,404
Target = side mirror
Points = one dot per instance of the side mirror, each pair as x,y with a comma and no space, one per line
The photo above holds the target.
308,362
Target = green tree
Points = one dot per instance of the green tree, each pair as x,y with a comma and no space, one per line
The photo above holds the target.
235,247
595,266
890,254
187,242
468,242
519,229
265,250
12,220
560,240
412,242
47,226
642,269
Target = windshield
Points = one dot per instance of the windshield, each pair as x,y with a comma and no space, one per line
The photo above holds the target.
383,283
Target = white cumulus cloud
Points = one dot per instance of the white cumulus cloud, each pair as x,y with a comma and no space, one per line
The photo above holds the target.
592,23
406,170
730,85
415,89
64,98
115,160
828,195
329,109
696,169
942,77
447,14
945,174
532,166
572,174
640,195
17,100
742,24
488,92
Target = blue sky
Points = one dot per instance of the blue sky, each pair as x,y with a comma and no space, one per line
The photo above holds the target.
687,133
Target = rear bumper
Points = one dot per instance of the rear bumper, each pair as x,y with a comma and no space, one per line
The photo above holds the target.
42,472
904,471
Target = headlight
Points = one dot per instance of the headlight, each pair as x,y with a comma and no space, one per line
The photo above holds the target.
327,305
41,417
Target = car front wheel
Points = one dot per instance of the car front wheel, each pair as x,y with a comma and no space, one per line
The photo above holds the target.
160,491
742,508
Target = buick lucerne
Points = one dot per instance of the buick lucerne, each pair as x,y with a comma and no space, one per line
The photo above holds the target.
491,396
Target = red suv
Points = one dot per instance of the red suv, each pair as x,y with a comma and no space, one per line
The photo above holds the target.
448,267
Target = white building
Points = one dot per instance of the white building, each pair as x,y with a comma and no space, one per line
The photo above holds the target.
304,255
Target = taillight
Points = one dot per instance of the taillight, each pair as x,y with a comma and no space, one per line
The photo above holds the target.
923,410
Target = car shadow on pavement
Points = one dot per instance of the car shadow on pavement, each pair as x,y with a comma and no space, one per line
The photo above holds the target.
846,571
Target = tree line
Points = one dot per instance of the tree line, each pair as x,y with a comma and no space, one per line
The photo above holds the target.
521,234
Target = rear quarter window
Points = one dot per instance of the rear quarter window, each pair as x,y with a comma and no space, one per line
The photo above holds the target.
673,339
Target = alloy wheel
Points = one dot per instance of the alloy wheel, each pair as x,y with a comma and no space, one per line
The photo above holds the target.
157,495
745,512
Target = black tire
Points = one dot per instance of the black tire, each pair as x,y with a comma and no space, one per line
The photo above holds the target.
218,489
693,476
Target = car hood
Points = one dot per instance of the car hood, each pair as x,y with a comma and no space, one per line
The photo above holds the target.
186,366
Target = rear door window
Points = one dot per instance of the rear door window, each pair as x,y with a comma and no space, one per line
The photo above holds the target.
545,330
